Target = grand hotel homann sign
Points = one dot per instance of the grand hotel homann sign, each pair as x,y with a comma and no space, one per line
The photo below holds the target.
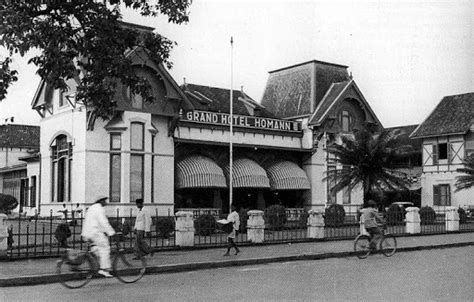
263,123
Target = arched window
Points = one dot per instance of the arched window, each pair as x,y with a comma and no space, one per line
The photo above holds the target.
61,166
345,120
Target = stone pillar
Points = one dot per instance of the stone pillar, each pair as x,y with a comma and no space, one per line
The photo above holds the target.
255,226
315,224
3,235
413,220
452,219
184,231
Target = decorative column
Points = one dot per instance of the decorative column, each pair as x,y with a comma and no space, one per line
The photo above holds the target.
315,224
184,231
413,220
3,235
452,219
255,226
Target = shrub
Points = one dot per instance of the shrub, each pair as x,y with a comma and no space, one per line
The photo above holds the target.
244,217
275,216
334,215
119,226
7,203
205,225
462,215
164,226
395,215
427,215
303,220
62,233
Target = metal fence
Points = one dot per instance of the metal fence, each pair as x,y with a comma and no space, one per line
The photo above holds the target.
37,236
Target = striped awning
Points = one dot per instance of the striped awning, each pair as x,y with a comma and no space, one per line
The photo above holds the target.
287,175
198,171
247,174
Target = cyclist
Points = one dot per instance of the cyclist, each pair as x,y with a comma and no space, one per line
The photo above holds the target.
94,227
373,222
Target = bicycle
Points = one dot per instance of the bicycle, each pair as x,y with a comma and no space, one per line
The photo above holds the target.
77,267
387,245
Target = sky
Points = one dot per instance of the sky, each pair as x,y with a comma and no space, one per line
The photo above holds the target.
404,55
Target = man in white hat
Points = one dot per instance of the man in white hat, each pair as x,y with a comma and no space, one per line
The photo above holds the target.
94,228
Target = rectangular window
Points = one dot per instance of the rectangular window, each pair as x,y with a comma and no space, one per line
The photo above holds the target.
442,195
33,192
136,177
115,177
153,157
137,134
346,195
442,151
115,141
331,195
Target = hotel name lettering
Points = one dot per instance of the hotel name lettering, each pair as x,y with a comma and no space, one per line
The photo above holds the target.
206,117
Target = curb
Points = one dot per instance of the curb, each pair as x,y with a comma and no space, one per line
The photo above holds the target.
186,267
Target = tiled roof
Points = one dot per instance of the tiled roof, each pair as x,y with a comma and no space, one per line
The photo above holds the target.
297,90
416,143
217,100
454,114
19,136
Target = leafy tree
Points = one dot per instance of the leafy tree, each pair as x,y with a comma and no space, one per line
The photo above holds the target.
7,203
466,181
84,40
372,160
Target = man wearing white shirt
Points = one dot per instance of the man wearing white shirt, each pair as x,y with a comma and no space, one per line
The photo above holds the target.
94,227
142,227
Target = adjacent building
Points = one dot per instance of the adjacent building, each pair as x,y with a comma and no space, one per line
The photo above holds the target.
448,137
19,164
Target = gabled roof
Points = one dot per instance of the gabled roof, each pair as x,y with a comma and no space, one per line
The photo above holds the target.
217,100
453,115
139,57
335,94
19,136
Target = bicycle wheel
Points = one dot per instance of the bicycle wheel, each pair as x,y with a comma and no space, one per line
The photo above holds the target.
128,269
77,275
362,246
388,245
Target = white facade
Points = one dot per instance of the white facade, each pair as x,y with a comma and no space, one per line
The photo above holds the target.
441,171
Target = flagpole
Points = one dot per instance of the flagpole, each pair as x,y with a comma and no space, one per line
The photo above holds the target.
231,129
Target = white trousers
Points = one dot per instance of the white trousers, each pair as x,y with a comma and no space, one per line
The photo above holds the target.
102,250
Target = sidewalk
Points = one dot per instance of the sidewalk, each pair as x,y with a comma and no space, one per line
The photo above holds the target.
40,271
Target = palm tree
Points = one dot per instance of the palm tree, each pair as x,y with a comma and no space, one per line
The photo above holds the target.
466,181
372,160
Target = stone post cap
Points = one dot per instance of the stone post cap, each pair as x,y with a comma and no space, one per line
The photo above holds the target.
255,213
185,214
412,209
451,209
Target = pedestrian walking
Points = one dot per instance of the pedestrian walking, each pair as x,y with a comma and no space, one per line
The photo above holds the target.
142,228
234,219
94,227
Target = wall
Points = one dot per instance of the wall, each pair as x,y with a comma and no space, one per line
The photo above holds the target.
70,122
10,156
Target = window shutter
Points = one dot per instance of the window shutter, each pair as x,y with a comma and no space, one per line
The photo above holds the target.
436,195
435,154
448,195
450,152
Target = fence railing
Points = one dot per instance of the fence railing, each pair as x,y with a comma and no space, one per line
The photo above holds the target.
37,236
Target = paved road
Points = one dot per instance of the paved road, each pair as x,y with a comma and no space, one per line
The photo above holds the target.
431,275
